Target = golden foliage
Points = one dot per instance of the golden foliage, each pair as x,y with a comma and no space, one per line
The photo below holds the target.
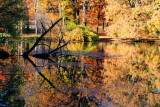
125,22
74,35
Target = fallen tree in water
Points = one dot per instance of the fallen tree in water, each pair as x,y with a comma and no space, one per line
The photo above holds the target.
46,54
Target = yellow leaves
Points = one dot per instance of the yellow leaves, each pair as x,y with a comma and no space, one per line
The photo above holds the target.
155,19
68,11
75,47
75,34
65,3
157,2
126,22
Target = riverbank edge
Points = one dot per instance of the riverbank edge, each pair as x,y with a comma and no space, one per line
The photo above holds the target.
109,39
144,40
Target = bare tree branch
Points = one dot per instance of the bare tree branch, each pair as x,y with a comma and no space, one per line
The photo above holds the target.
25,54
58,48
43,26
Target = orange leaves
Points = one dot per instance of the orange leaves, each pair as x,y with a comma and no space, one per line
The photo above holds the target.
31,12
68,11
30,7
95,13
4,47
3,78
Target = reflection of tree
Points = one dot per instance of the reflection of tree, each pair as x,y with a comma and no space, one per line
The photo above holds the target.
11,89
71,87
35,66
133,79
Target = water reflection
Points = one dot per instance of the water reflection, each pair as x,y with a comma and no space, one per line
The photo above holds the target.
82,75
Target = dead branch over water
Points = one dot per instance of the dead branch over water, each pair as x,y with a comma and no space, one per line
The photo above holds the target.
25,54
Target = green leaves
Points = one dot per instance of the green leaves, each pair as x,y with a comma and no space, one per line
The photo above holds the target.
11,15
87,34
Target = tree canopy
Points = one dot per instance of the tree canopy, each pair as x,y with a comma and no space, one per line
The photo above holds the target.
12,12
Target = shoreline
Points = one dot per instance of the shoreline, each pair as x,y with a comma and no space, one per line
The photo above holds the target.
109,39
129,40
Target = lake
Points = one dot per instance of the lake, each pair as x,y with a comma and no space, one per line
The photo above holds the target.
99,74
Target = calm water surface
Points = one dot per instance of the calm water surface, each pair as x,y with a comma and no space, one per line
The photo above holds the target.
81,75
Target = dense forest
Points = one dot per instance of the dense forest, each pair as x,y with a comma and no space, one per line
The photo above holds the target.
82,19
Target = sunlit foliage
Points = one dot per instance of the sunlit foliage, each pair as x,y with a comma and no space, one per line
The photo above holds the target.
124,21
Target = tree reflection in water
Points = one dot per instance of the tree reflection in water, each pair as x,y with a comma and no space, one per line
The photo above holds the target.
11,83
76,77
69,84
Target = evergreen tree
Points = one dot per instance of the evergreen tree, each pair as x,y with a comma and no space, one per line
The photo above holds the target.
12,13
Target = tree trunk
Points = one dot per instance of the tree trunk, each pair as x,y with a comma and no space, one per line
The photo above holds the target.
35,8
84,13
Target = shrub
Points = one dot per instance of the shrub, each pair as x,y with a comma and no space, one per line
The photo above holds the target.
79,32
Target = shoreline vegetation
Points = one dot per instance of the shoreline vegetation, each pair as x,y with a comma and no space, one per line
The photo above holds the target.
100,20
128,40
100,39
